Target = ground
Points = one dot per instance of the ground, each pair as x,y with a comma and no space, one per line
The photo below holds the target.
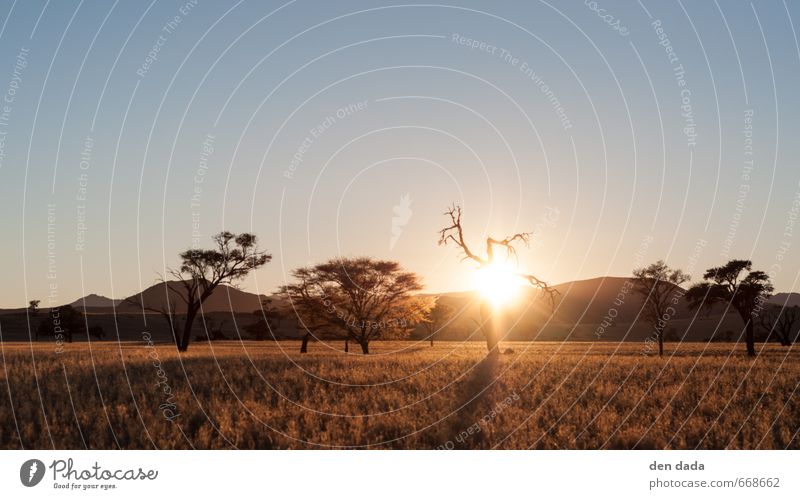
406,395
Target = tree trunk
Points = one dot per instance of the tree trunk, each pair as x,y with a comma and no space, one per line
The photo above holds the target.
661,344
304,345
364,347
750,338
346,346
191,313
488,328
431,340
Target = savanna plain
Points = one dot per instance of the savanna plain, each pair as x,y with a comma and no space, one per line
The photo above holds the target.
405,395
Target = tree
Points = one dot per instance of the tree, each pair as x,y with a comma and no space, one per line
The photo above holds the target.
454,233
783,321
437,317
357,299
659,285
232,258
97,332
33,310
62,323
745,294
270,319
168,309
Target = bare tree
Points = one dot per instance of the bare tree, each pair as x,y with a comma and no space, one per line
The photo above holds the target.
454,233
745,294
357,299
659,285
437,317
783,321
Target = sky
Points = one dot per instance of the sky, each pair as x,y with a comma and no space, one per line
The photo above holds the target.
619,133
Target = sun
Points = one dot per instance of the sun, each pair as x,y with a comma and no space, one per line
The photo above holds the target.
498,283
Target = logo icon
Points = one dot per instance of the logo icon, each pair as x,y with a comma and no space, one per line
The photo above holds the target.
31,472
402,213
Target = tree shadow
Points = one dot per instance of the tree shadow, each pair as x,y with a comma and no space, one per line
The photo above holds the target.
469,427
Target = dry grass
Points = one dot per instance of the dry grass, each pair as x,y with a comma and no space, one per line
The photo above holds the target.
406,395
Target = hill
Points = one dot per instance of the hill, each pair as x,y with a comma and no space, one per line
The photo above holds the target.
95,301
223,299
786,299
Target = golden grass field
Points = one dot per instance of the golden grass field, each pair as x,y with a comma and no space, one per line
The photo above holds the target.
405,395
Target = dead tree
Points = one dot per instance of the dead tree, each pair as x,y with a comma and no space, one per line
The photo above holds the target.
454,233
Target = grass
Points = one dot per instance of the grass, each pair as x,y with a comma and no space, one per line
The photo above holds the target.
406,395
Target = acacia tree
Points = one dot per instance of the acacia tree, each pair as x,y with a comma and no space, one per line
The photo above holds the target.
33,310
745,294
358,299
438,315
783,321
231,259
659,285
62,323
454,233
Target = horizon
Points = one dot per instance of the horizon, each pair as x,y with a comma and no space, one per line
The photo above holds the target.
162,133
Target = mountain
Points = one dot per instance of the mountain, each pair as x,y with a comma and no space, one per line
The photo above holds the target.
95,301
223,299
786,299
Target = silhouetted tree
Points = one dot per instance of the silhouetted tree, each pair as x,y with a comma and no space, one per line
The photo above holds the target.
270,318
166,308
782,321
33,311
659,286
437,317
97,332
745,294
231,259
455,233
63,323
357,299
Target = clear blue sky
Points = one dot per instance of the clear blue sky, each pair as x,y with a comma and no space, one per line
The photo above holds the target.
566,106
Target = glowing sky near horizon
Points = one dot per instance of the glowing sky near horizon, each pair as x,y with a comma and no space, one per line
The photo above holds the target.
130,131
